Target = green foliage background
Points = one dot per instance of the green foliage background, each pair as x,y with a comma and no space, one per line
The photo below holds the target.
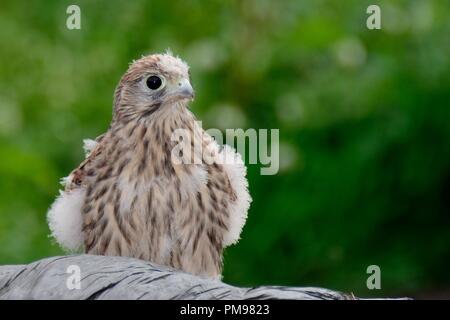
363,118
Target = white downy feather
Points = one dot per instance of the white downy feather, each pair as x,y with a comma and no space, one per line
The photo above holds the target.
65,219
64,216
89,145
236,170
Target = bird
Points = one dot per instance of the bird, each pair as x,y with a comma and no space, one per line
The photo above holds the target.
128,197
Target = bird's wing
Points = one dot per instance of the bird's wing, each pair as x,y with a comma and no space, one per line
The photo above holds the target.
238,195
64,216
92,148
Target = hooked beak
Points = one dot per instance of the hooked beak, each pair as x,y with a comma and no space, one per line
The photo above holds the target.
185,90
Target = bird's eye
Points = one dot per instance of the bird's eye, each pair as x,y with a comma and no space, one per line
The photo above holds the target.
154,82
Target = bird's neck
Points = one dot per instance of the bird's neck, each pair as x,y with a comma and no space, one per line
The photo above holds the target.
149,143
160,125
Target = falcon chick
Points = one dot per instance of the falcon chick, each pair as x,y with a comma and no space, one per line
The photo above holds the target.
129,198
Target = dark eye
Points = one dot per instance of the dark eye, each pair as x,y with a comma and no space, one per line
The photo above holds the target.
154,82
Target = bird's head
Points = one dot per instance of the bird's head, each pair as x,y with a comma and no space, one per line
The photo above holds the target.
152,83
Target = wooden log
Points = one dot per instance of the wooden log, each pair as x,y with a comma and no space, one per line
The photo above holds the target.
104,277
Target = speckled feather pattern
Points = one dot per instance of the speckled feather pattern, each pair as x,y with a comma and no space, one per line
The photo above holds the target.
137,202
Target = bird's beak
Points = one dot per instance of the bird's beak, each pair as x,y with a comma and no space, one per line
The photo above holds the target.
184,89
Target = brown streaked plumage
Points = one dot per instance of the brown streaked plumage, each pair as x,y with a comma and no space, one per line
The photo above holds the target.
129,198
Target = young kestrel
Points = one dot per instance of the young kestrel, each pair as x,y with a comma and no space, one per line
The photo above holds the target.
129,198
